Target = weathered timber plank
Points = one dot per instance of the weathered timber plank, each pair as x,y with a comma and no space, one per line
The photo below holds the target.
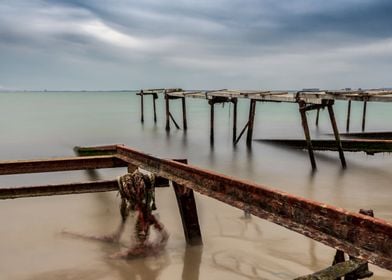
380,135
95,151
369,146
358,235
59,164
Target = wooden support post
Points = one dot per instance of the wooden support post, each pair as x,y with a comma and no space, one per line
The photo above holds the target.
317,116
188,211
252,111
305,126
167,112
154,97
336,133
141,106
364,115
234,119
348,116
184,121
211,122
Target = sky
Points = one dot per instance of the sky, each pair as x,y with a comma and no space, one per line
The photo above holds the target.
195,44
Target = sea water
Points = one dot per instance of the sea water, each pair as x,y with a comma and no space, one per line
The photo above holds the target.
50,124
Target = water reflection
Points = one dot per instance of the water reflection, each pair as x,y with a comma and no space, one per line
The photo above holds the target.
242,264
192,261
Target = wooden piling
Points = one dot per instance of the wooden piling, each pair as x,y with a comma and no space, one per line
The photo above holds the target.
317,116
235,100
306,132
141,106
184,120
167,112
348,116
364,115
252,111
154,97
211,122
336,133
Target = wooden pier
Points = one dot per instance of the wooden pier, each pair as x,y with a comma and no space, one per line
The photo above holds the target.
361,236
307,100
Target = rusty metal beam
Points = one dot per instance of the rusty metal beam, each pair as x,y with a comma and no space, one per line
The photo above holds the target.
62,189
358,235
60,164
71,188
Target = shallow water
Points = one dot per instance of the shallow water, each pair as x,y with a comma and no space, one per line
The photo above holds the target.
46,124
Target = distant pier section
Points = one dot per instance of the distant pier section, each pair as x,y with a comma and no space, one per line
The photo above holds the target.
307,100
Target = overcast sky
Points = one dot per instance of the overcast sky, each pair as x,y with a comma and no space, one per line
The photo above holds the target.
260,44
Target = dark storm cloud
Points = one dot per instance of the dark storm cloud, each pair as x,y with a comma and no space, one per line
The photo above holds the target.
227,43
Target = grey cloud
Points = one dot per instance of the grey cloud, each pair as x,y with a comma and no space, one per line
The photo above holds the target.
198,43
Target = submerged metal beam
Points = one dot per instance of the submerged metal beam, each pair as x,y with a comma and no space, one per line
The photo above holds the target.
60,164
358,235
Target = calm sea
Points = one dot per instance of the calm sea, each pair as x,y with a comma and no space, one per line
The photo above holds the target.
50,124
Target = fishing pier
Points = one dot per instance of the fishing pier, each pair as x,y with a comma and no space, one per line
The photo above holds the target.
307,100
359,235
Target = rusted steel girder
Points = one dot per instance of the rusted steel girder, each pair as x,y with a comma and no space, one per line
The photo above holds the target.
71,188
358,235
60,164
62,189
